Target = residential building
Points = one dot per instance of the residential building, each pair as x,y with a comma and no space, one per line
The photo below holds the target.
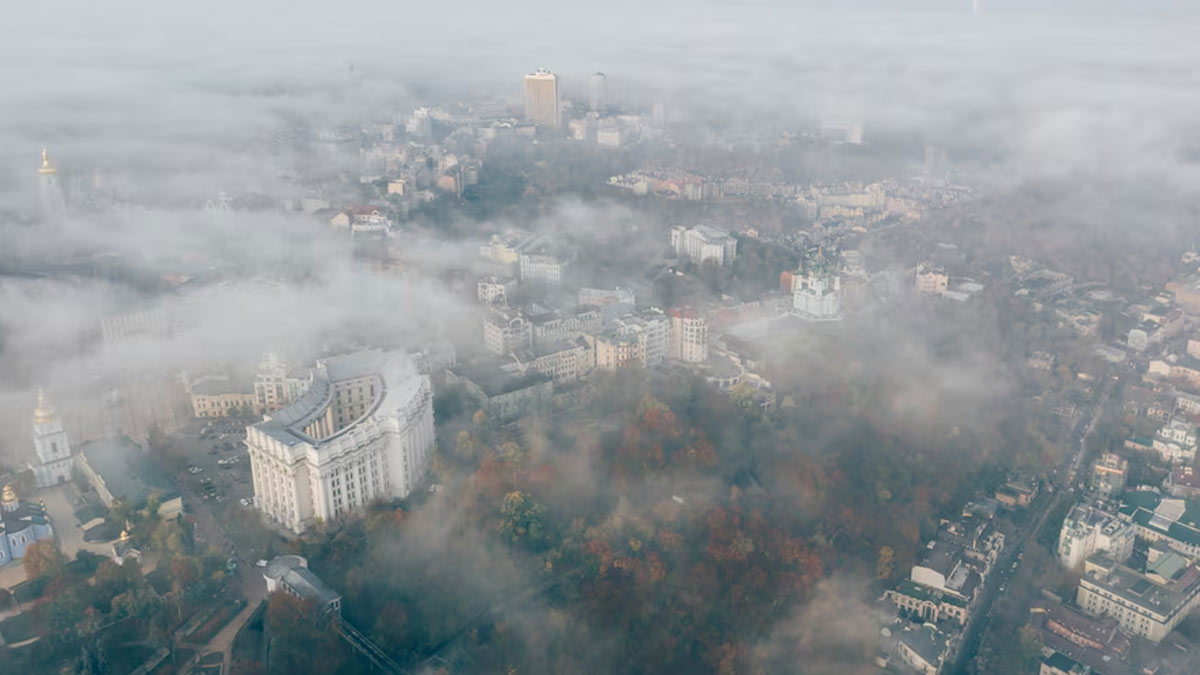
363,431
506,330
553,328
290,574
223,397
543,267
923,648
1109,475
118,468
21,525
703,243
542,98
361,219
494,290
50,445
931,280
276,385
563,362
1184,482
689,336
1147,604
611,304
1176,441
615,350
651,328
1018,491
1067,629
944,567
144,323
928,604
1088,530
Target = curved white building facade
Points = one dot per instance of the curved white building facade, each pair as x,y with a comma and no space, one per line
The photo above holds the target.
363,431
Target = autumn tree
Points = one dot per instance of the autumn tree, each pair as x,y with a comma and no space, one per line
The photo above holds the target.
521,519
299,644
885,565
43,560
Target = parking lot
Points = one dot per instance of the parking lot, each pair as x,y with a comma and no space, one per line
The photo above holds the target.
211,466
216,466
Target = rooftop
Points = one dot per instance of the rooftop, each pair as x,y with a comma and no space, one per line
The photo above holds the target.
398,382
495,382
122,466
1162,598
1179,519
292,571
927,641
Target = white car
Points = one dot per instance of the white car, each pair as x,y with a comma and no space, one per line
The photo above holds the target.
247,501
261,563
194,470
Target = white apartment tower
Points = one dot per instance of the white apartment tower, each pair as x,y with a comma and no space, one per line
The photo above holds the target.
1088,530
541,98
363,431
51,445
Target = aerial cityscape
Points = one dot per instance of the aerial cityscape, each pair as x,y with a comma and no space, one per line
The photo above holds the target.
681,338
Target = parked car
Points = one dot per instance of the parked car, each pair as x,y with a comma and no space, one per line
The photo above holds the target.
261,563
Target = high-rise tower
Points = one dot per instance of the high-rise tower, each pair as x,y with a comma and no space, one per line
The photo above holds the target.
51,444
53,204
541,98
598,92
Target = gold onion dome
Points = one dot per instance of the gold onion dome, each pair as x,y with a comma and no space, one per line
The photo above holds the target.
44,412
46,168
9,496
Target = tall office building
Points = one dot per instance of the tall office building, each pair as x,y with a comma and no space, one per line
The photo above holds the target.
598,92
541,98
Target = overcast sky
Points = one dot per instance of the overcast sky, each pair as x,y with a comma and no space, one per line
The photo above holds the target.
179,99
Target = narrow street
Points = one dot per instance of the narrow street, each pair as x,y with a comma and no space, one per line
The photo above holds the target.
1064,478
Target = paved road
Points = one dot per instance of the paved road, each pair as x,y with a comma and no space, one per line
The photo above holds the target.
980,616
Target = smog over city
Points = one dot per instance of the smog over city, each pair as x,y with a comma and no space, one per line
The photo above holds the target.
809,337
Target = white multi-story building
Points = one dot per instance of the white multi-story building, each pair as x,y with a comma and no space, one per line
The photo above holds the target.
689,336
542,267
506,331
652,329
1088,530
50,443
493,290
1176,441
552,329
931,280
563,362
1148,604
817,297
702,243
363,431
